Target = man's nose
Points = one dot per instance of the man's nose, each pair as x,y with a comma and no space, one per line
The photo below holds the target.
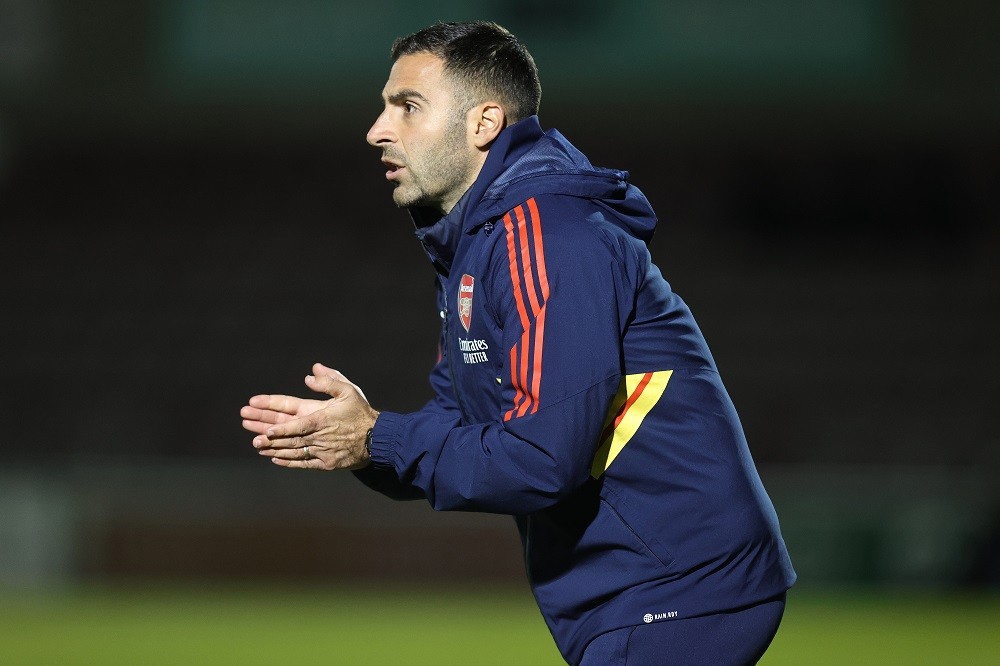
380,132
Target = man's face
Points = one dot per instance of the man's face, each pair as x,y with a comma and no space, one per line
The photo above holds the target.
423,135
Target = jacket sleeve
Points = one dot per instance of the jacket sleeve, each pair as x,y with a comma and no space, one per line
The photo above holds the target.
562,290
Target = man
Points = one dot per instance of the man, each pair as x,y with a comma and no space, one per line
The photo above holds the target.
574,390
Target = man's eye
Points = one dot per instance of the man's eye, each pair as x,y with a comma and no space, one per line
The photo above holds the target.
409,107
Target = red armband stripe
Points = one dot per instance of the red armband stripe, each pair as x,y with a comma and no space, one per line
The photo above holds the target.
515,280
526,354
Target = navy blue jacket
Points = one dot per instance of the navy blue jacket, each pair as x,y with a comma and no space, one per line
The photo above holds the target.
576,393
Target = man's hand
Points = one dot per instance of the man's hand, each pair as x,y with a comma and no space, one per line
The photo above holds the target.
313,434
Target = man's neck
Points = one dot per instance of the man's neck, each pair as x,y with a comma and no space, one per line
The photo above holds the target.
446,206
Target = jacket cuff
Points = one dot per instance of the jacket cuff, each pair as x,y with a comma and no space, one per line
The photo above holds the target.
386,439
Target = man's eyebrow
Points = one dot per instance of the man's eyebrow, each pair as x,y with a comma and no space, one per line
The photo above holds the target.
404,94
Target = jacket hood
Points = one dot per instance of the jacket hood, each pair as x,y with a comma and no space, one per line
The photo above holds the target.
525,161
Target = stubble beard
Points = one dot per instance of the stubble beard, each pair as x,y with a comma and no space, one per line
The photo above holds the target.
437,175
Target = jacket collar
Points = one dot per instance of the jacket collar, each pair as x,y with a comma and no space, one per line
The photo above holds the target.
439,234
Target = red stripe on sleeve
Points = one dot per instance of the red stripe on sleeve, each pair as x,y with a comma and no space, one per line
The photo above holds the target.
513,379
543,282
536,223
525,372
537,373
515,280
525,348
529,282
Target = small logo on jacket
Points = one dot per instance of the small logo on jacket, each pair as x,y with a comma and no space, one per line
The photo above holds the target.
465,300
649,617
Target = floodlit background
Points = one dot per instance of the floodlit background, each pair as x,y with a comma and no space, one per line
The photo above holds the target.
191,216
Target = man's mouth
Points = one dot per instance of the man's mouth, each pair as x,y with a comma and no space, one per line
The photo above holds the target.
393,169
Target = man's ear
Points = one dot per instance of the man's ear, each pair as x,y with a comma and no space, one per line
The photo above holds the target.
487,120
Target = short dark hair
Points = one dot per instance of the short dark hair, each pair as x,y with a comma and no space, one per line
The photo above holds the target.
486,58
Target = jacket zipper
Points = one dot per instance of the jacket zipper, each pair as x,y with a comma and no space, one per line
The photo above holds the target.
444,348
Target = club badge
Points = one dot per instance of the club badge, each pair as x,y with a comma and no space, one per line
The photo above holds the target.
465,300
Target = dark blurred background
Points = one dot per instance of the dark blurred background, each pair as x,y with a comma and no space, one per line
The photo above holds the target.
191,216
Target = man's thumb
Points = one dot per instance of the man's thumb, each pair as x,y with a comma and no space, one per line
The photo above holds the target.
321,370
323,374
327,384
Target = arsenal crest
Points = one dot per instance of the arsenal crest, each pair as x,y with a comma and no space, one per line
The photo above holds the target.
465,300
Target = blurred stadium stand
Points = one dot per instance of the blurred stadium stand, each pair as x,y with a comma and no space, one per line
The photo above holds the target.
192,216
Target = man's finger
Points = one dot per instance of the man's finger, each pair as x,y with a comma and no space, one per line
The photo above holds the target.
264,442
265,415
320,370
259,427
286,453
311,463
294,428
324,384
285,404
332,386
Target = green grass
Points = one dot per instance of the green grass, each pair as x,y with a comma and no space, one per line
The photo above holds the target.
887,627
279,625
381,625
